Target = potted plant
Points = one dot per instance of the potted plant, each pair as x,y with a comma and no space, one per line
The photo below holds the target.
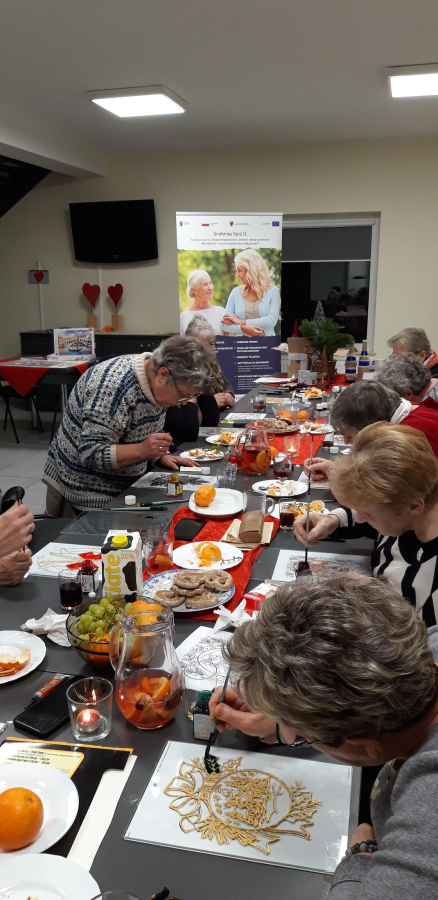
327,337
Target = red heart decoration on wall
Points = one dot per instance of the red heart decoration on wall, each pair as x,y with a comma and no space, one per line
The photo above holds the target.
91,293
38,276
115,291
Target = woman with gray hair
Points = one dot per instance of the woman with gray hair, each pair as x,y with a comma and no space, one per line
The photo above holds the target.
416,341
406,375
112,428
200,289
350,668
184,423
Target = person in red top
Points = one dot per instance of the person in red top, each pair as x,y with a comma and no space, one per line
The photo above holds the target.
367,402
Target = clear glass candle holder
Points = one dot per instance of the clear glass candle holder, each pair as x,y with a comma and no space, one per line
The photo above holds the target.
90,704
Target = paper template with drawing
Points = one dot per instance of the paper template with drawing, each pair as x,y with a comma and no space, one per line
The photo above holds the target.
53,558
320,563
265,809
201,658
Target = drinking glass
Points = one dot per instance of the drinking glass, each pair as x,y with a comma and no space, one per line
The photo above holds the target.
90,704
115,895
321,416
288,515
259,403
70,589
158,550
270,428
292,443
283,466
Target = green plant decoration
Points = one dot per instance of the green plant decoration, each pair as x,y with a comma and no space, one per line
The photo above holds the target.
327,336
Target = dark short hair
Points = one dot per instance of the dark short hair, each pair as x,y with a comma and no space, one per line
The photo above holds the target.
363,404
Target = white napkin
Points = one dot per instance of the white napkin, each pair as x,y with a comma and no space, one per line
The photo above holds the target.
225,617
99,816
52,624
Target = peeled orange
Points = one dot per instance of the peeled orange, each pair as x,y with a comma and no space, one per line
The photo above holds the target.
205,495
21,818
208,551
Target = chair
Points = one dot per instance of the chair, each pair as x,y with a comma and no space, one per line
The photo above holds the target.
6,393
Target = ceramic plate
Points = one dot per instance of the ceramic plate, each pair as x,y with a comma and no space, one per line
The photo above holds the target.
214,438
164,581
323,429
227,502
45,878
203,453
276,513
186,558
58,795
286,488
18,640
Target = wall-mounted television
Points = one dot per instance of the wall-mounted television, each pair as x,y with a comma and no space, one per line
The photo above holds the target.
114,231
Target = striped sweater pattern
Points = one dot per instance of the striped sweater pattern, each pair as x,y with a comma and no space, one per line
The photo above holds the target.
110,404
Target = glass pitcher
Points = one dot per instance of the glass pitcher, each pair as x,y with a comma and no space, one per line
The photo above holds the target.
254,450
149,678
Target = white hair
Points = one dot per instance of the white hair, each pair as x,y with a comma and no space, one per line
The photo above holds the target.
193,281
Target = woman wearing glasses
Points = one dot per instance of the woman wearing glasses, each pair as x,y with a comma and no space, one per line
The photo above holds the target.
114,424
183,423
346,664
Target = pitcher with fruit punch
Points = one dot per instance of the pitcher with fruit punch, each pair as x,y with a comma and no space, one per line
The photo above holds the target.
149,678
252,447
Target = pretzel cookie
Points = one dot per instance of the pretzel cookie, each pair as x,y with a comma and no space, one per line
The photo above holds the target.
169,598
206,599
218,581
185,592
188,580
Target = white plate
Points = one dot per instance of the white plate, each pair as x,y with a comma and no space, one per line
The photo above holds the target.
323,429
262,487
58,795
18,640
276,513
213,438
46,878
164,581
186,558
227,502
187,454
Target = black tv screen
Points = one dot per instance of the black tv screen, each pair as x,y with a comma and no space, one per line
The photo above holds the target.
115,231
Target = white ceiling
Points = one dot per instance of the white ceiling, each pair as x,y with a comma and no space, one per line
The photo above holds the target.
252,71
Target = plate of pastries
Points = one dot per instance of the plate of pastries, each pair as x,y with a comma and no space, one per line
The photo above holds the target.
188,591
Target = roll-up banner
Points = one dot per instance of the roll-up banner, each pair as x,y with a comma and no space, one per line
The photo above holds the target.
229,274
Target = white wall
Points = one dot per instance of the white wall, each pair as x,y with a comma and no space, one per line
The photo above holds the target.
396,178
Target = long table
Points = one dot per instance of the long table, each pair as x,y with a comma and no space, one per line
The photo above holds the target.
144,868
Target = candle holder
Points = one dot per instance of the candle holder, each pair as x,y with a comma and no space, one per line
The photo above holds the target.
90,703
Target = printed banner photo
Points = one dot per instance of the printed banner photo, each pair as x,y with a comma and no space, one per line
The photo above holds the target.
229,274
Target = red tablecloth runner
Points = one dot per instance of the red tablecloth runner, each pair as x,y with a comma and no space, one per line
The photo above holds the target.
214,531
304,453
24,378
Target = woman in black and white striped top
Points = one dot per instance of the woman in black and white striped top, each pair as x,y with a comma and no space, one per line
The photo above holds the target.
391,480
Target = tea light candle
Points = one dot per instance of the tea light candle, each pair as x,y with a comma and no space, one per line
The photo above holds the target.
88,720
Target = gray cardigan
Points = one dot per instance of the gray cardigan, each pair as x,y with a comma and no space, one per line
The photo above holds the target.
404,811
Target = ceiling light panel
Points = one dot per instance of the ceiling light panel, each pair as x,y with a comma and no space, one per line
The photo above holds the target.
135,102
414,81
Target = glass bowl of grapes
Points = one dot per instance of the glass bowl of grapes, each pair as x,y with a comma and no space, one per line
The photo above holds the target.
89,626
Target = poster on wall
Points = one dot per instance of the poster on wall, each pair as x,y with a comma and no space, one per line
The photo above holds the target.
229,273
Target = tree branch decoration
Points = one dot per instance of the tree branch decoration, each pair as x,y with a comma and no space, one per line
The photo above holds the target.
246,805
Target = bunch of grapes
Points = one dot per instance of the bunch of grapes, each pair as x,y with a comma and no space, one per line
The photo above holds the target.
100,618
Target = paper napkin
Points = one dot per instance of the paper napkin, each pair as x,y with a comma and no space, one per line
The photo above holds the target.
52,624
226,617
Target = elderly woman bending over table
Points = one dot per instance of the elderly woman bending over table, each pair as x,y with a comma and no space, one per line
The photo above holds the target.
348,666
113,424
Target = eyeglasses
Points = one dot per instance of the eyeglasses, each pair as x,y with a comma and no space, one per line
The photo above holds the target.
183,399
213,344
302,743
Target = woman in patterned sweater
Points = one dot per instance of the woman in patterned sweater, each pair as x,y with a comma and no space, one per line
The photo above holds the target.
113,424
391,480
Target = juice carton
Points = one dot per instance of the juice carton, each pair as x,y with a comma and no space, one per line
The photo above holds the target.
121,564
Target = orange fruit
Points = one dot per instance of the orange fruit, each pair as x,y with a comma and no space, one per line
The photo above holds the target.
157,688
302,414
21,818
263,460
273,450
285,414
205,495
208,551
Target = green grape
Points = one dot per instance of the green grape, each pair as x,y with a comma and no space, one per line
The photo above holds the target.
117,617
93,608
99,614
111,608
128,605
99,632
83,618
85,637
105,602
80,628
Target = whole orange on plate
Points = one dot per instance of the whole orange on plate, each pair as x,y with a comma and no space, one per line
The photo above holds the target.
21,818
205,495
